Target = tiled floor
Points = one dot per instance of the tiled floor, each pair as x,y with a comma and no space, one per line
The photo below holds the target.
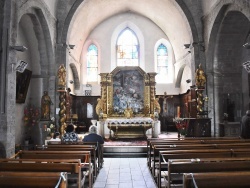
124,173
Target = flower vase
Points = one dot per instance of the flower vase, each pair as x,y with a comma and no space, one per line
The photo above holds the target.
52,135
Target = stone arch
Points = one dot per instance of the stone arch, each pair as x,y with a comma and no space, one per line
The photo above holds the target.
229,31
179,76
34,20
75,76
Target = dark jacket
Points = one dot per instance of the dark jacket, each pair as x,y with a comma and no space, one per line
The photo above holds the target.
245,126
92,137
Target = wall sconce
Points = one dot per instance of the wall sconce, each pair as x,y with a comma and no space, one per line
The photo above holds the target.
71,46
19,48
247,45
191,45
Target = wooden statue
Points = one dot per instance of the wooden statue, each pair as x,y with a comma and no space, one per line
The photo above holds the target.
45,106
61,75
200,78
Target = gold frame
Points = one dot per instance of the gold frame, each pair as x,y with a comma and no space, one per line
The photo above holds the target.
104,107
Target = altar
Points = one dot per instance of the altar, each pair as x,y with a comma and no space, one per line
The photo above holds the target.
129,128
128,105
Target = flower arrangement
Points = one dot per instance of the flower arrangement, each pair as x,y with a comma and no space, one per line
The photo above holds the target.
31,115
51,128
181,125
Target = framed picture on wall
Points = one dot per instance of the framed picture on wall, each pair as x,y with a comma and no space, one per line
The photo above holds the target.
22,85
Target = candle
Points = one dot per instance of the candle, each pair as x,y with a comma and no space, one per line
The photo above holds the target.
178,111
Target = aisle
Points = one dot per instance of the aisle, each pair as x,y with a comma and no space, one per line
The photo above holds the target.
124,173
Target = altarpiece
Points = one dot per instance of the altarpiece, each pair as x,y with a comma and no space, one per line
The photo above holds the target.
127,104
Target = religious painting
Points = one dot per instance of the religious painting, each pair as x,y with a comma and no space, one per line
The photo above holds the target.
128,91
22,85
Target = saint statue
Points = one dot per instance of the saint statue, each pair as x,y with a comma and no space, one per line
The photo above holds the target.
99,108
200,78
61,75
45,106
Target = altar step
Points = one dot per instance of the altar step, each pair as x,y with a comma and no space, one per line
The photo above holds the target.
124,151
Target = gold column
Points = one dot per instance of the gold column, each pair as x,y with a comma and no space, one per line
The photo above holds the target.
109,92
62,112
61,85
104,94
152,84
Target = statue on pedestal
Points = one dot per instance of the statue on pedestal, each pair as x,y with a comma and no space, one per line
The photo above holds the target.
61,75
200,78
45,106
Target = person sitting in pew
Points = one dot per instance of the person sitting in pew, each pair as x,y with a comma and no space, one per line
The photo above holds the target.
94,137
70,135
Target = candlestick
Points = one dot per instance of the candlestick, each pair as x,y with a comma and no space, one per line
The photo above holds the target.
178,111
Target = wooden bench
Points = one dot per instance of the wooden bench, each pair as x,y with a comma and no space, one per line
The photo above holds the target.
68,147
71,166
84,156
98,146
177,167
217,179
199,153
151,142
33,179
157,148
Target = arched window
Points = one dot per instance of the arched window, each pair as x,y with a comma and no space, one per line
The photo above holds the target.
162,63
92,64
127,49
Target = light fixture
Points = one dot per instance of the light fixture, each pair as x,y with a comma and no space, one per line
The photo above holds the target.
186,46
19,48
71,46
247,45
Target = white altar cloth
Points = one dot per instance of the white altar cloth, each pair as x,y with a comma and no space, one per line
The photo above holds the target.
135,120
103,130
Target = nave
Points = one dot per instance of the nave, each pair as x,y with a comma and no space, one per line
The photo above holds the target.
124,173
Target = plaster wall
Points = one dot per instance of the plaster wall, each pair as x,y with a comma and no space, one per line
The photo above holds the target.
102,35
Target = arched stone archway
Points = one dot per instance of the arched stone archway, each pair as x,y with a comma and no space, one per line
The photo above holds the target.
224,65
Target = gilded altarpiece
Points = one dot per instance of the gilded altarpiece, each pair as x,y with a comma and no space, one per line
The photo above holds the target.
127,93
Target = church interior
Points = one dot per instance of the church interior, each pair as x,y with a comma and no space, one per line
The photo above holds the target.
132,68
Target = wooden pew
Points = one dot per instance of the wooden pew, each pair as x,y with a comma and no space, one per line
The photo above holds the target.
235,179
33,179
84,156
151,142
72,166
157,148
199,153
177,167
70,147
98,146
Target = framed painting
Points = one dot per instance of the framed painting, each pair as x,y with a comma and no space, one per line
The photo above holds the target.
22,85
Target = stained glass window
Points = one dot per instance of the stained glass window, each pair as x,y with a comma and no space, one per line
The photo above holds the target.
127,49
162,63
92,63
